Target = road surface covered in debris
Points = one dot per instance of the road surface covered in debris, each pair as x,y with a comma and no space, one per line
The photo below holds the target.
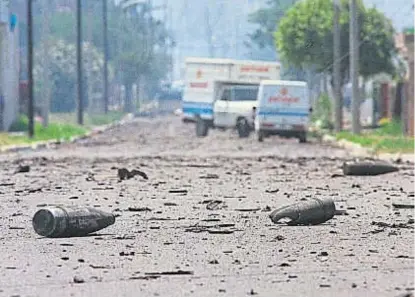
199,225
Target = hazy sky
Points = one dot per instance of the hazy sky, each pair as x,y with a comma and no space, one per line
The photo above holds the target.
399,11
189,23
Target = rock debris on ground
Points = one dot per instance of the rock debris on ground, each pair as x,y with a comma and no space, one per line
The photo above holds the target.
199,225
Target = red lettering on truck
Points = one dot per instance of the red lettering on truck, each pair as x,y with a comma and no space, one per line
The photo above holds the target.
284,99
199,85
252,68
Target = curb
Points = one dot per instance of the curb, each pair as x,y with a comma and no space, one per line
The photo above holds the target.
53,143
356,150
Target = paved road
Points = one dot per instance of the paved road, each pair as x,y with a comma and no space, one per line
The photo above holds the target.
347,256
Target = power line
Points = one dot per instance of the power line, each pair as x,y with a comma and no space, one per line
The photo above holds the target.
360,43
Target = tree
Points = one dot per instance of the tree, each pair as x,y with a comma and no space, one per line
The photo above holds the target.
267,20
62,72
136,42
141,46
262,39
213,25
305,38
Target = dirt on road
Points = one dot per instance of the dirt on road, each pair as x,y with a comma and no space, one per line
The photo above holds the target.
199,225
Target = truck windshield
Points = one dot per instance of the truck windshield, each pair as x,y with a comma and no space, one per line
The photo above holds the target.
245,94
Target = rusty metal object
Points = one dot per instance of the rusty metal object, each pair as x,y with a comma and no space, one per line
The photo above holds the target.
368,168
312,212
70,221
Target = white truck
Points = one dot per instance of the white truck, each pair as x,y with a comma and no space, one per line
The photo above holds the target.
222,93
283,108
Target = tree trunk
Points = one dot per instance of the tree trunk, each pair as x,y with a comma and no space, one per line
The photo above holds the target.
340,99
138,92
128,105
397,106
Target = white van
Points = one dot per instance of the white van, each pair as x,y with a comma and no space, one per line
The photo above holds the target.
283,108
221,93
234,107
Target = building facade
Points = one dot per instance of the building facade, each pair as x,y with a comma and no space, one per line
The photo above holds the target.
9,67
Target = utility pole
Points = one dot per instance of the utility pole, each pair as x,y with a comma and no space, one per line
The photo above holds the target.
105,39
4,13
80,113
338,106
354,67
45,62
93,105
30,68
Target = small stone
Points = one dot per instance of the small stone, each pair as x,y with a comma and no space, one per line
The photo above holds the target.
78,280
23,169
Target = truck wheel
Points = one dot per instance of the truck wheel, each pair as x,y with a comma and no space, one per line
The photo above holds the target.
260,135
243,128
303,137
201,128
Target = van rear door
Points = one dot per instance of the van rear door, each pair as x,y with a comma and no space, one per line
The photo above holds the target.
284,106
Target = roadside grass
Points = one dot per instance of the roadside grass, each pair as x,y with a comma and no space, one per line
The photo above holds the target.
90,120
388,138
62,127
55,131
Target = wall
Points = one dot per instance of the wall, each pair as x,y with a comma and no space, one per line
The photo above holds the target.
404,42
9,78
409,43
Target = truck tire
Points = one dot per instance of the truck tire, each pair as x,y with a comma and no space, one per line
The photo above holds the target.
202,128
302,137
260,135
243,128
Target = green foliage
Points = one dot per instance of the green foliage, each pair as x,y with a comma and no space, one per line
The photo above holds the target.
385,143
389,137
379,47
267,20
62,72
20,124
392,128
55,131
136,44
90,120
305,38
104,119
62,26
322,113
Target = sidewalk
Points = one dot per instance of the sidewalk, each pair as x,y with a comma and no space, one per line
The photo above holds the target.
51,143
357,150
